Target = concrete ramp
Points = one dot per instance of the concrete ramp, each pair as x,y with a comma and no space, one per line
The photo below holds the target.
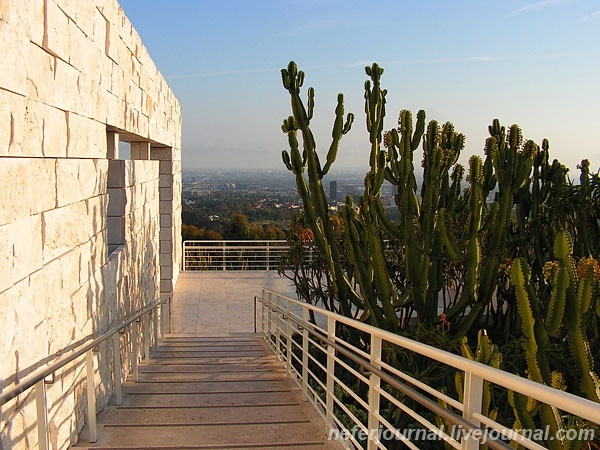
211,393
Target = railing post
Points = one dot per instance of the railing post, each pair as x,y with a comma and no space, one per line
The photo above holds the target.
473,393
117,368
305,317
42,415
134,350
329,421
269,321
290,336
154,313
146,338
91,395
374,384
268,256
223,243
278,328
162,318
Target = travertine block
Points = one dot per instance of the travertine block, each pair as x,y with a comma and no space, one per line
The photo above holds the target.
116,230
166,167
29,187
20,250
65,228
113,43
81,14
8,325
99,30
165,260
54,126
56,36
96,208
116,202
13,73
166,207
62,88
166,286
116,173
87,137
166,246
93,255
28,17
166,193
79,179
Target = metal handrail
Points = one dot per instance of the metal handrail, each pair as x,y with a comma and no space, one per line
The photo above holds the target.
475,372
402,387
37,378
41,374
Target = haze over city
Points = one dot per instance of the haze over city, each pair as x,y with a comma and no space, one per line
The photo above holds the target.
535,63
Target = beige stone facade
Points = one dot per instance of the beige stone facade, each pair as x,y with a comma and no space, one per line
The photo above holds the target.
86,237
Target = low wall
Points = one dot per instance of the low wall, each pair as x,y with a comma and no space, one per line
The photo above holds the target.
86,237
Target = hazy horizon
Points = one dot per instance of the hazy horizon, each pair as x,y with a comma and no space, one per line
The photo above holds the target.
535,63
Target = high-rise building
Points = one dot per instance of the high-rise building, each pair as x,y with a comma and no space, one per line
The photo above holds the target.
333,191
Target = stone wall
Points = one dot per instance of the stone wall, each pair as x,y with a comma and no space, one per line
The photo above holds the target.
86,238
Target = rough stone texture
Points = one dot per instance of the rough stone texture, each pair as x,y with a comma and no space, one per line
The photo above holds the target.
87,79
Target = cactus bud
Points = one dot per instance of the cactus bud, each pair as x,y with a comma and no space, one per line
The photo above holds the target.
515,136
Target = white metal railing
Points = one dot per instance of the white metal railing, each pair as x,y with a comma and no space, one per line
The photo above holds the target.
147,319
234,255
316,356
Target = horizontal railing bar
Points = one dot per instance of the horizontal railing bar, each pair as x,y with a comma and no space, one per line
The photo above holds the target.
453,402
352,371
419,398
30,380
344,408
404,439
403,388
565,401
360,401
507,432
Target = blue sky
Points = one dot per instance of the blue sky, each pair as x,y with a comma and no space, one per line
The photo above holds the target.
535,63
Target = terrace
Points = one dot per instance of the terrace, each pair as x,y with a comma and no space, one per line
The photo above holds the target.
101,332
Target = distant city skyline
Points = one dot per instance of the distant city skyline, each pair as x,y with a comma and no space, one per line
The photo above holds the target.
535,63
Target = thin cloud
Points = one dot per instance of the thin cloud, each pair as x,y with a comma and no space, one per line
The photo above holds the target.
404,62
592,16
532,7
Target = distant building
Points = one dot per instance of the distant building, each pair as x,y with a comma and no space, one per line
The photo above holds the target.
333,191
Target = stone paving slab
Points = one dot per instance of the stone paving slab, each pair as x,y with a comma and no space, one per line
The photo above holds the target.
221,303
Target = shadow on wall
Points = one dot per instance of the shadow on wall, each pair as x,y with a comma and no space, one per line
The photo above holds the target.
126,282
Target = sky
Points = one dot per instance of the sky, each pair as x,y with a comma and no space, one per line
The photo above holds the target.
534,63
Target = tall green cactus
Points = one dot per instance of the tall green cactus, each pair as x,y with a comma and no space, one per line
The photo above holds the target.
418,231
570,299
583,287
363,227
311,191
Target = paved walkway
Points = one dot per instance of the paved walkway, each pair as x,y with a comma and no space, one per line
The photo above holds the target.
212,383
219,303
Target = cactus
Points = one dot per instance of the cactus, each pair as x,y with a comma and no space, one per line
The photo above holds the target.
583,286
363,227
489,354
418,231
570,299
311,191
